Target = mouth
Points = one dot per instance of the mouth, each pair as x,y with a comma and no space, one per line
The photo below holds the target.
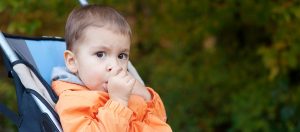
105,86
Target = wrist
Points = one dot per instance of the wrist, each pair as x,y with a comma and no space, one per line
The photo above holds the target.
148,96
145,95
123,102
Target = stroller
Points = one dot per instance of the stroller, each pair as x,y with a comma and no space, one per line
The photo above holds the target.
29,62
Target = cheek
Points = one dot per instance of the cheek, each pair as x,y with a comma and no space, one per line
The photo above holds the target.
94,72
92,77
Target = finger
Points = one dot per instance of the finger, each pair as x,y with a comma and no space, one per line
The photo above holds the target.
131,83
123,74
129,73
116,71
128,78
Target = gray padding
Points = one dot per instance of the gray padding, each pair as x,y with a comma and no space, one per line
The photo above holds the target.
19,46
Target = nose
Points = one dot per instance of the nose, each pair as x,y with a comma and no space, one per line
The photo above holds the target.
113,66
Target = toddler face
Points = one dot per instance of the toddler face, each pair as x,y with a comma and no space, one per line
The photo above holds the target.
100,52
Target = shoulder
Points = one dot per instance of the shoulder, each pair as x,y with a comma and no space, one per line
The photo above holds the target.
60,86
69,99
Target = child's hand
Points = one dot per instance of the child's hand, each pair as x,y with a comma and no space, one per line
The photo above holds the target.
120,86
141,90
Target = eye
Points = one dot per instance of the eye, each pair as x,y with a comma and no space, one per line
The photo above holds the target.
100,54
123,56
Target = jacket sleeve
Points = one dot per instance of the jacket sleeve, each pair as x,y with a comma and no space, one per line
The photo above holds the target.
79,114
148,116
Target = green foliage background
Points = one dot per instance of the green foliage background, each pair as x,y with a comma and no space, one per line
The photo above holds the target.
222,65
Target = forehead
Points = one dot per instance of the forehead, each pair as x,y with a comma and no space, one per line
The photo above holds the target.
95,36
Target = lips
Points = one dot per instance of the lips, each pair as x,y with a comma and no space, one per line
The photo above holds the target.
104,85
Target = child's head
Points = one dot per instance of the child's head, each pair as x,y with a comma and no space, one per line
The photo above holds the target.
98,44
93,15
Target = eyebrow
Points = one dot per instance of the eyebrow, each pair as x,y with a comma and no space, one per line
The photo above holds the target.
125,50
107,48
101,47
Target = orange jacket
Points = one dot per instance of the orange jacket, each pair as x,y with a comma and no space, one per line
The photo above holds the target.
82,110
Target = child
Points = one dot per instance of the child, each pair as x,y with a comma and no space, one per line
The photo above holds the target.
96,93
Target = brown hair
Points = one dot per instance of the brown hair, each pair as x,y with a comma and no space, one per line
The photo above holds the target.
88,15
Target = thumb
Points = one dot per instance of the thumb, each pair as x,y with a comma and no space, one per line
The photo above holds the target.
131,83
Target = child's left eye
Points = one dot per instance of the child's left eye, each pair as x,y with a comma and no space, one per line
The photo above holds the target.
123,56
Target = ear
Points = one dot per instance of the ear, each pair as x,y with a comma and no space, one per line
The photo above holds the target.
70,61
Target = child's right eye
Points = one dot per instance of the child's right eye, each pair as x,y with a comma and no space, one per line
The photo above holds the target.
100,54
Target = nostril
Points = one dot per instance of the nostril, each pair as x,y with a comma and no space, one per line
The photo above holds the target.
108,68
